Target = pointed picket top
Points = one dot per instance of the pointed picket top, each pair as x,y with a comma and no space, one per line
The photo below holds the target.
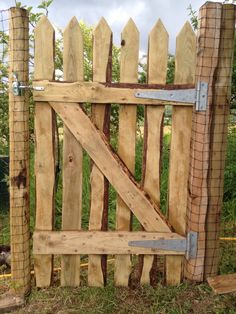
44,35
102,26
102,41
158,29
185,55
130,28
44,24
158,53
186,30
73,24
73,53
129,53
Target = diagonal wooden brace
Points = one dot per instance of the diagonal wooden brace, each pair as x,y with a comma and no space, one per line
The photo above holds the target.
96,145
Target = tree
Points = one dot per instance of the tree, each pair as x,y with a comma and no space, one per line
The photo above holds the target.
33,20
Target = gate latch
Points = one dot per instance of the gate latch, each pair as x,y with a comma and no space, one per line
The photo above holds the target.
188,245
18,88
196,96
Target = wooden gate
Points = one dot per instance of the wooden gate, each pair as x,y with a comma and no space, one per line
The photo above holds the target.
159,235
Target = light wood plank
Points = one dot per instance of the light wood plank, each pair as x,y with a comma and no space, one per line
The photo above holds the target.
11,302
223,283
208,41
126,139
98,242
19,156
185,62
222,91
153,129
72,155
45,150
102,44
98,93
96,145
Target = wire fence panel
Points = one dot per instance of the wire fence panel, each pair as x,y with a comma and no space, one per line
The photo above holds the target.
14,52
4,155
208,146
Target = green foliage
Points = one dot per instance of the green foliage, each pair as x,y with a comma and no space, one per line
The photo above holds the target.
229,213
170,69
193,17
233,88
4,129
87,32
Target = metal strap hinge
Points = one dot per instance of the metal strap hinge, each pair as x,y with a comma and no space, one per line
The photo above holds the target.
196,96
188,245
17,87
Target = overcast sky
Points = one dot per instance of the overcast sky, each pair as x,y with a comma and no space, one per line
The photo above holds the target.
173,13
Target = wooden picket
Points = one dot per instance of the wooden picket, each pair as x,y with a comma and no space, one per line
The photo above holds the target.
126,138
102,44
73,56
180,147
45,148
91,134
153,128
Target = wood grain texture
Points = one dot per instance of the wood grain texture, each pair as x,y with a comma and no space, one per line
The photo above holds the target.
96,145
73,70
102,41
157,69
97,242
98,93
185,62
19,155
222,92
126,139
9,301
208,41
45,148
223,283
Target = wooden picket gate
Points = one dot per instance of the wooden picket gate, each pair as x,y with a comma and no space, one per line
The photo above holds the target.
92,135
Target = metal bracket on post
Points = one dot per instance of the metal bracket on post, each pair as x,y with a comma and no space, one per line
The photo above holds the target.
196,96
188,245
18,88
201,96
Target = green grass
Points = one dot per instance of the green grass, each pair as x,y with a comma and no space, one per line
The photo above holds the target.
184,298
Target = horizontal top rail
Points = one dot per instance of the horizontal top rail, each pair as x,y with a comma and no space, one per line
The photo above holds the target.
131,85
100,93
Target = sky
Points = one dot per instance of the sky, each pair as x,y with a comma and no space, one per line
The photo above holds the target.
145,13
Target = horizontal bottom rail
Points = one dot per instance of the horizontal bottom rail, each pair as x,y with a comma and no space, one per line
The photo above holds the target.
100,242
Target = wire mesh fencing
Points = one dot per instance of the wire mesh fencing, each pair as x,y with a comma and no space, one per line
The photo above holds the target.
4,147
14,110
228,213
214,65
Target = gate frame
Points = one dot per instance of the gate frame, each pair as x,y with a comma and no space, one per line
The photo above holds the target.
226,18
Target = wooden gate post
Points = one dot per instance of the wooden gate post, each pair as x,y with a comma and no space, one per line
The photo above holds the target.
19,151
208,146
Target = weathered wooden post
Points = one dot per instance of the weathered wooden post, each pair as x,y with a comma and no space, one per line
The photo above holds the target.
19,149
208,146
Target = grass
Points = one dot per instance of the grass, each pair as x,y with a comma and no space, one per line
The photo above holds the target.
185,298
182,299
